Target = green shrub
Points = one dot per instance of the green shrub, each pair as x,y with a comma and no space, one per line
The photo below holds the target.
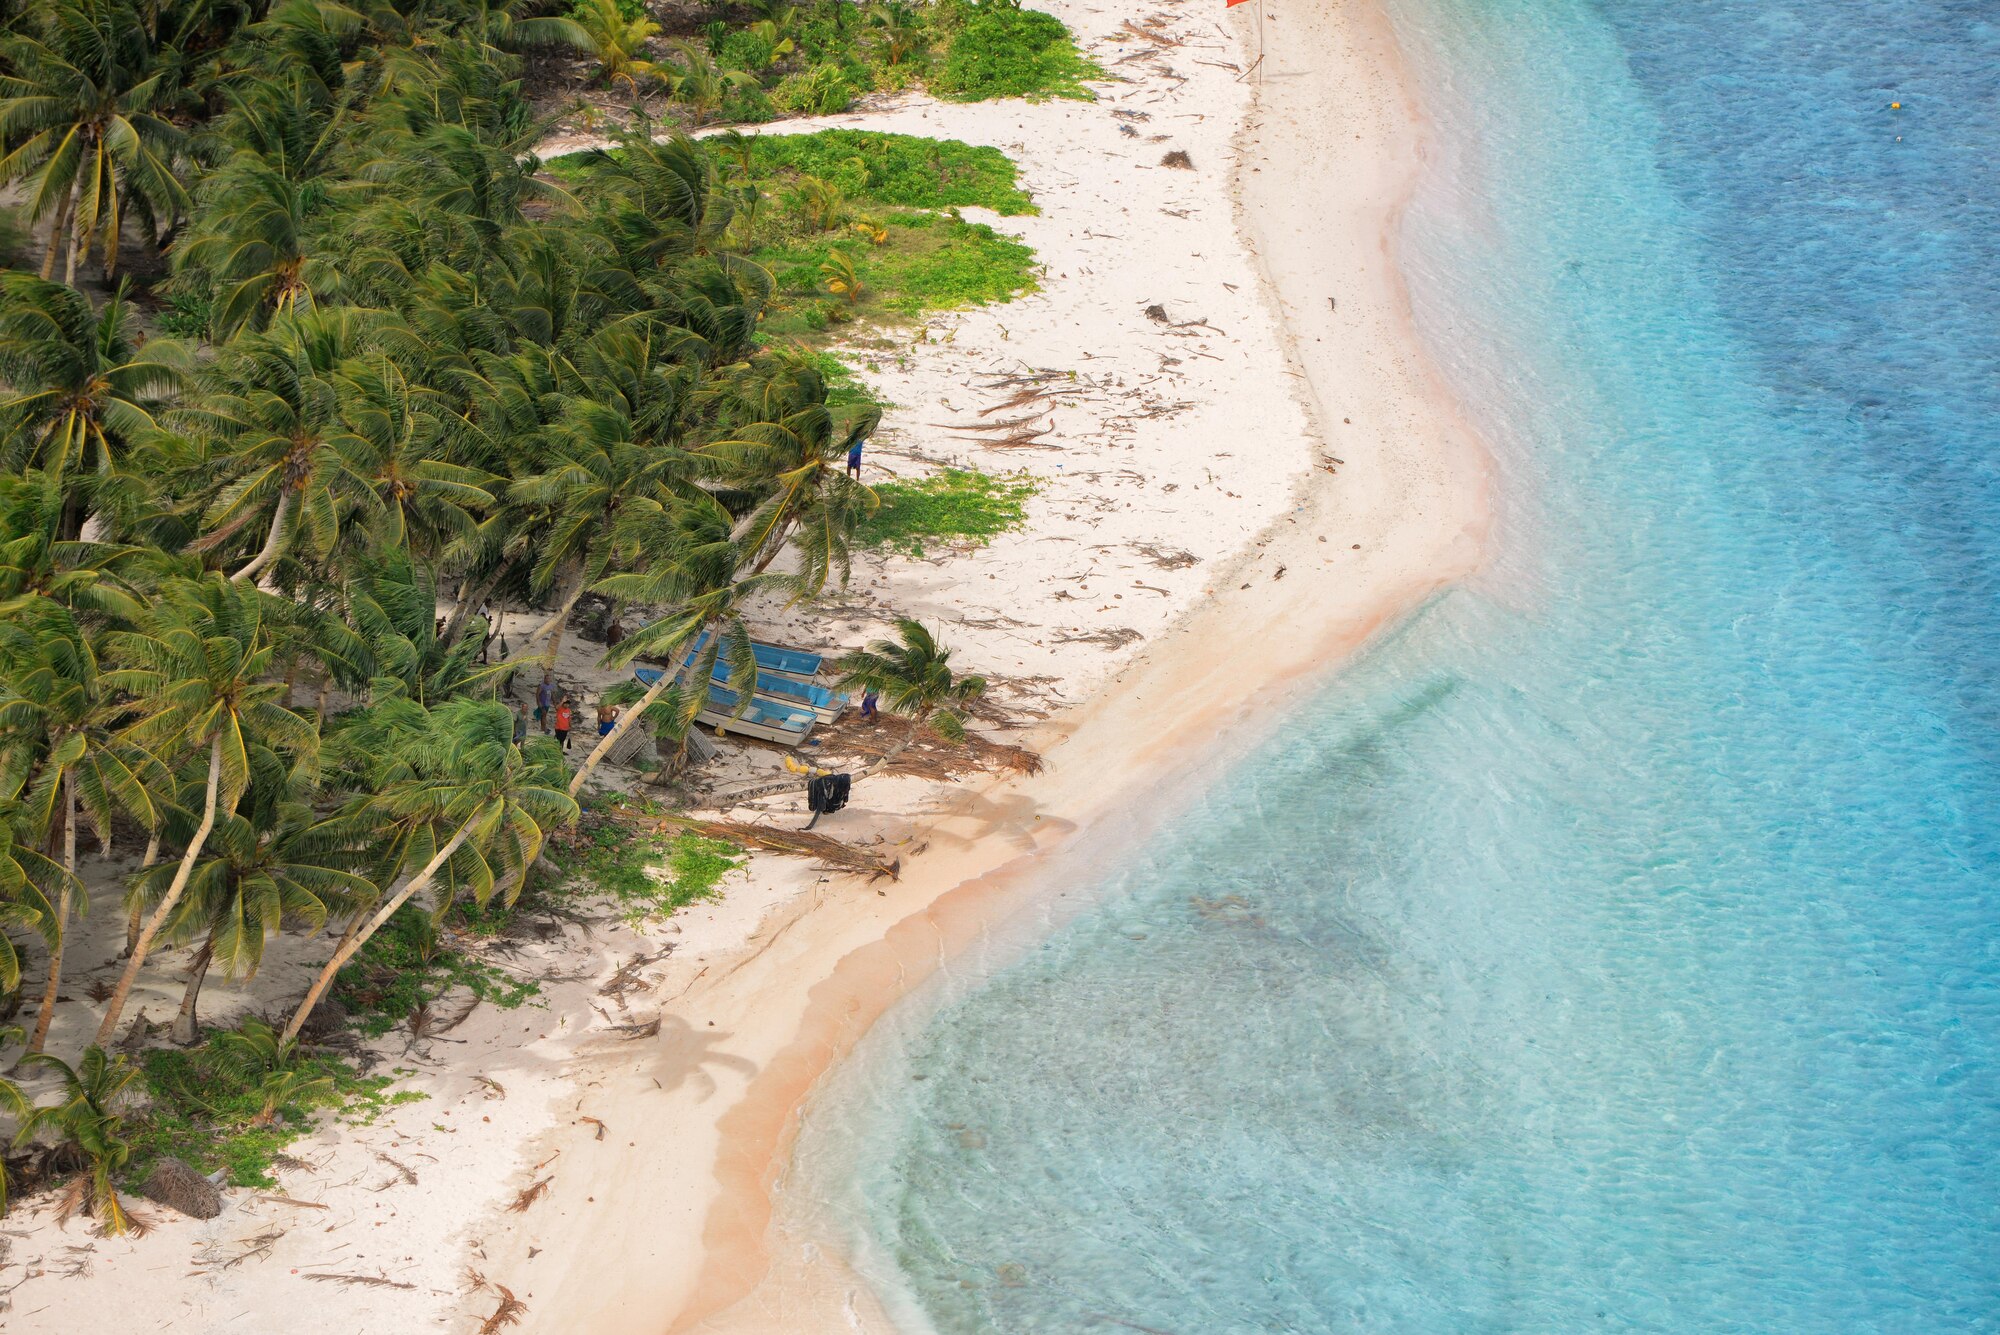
411,963
900,169
652,875
957,503
1003,50
211,1110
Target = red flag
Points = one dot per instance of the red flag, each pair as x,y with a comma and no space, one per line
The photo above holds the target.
1231,4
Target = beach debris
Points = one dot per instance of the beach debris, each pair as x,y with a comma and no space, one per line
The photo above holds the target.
258,1246
627,978
1111,637
601,1128
650,1029
494,1089
368,1281
1166,558
174,1184
505,1315
291,1200
1178,158
528,1196
403,1172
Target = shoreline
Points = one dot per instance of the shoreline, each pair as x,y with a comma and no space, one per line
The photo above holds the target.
862,958
1231,469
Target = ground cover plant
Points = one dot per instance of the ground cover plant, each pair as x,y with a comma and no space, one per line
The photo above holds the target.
953,505
221,1108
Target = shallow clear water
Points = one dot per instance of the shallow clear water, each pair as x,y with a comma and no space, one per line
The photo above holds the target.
1614,947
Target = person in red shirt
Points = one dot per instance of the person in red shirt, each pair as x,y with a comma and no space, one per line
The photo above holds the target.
565,719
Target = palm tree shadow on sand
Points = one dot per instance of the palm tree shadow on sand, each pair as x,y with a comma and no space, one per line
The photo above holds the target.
685,1052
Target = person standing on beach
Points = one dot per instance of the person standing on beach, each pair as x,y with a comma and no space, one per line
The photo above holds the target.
607,717
520,724
854,458
565,719
868,699
545,701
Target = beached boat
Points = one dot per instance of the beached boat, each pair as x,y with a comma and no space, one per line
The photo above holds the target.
826,705
775,660
765,719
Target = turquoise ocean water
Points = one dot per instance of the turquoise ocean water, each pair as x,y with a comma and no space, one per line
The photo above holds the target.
1614,946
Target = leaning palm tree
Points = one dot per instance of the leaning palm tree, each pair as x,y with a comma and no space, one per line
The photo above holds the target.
197,669
272,407
913,675
30,883
80,106
58,749
459,800
694,567
264,866
83,384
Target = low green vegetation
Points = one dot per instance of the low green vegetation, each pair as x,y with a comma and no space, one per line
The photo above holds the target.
1003,50
211,1108
412,963
893,169
651,875
955,505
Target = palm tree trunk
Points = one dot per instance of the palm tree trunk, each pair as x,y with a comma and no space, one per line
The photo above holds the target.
116,1006
46,1015
63,210
186,1028
138,914
610,739
355,941
468,602
273,544
557,624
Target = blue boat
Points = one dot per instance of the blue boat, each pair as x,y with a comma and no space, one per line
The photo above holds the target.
775,660
767,720
826,705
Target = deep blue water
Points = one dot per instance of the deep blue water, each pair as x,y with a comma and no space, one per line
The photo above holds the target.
1615,946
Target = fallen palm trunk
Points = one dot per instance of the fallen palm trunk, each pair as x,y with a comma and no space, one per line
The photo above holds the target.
831,854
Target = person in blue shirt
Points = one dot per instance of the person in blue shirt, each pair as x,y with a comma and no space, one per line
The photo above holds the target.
854,458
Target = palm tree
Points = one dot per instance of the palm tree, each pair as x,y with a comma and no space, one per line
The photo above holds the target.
84,1117
257,225
793,465
28,882
272,405
264,865
197,668
35,559
79,104
84,385
58,750
614,41
693,567
913,675
13,1103
451,773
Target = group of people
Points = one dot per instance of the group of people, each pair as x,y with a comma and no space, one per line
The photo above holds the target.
556,713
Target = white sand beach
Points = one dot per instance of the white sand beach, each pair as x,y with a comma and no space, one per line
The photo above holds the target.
1246,484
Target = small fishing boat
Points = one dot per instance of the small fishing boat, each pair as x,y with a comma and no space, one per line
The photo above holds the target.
775,660
826,705
764,719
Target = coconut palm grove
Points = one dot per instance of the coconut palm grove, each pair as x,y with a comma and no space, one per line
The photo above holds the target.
310,363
